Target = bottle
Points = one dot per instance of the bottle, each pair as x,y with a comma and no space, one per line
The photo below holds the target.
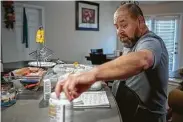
47,89
60,109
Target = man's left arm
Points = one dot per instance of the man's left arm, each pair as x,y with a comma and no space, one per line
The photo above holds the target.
147,55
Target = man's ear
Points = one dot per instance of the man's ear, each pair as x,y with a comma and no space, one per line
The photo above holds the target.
141,21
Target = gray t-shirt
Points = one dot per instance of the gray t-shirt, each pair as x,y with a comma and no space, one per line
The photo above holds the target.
151,85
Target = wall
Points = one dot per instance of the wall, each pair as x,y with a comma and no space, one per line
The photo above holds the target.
0,35
8,41
1,65
166,8
69,44
73,45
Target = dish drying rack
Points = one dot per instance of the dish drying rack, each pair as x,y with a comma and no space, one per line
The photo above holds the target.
42,55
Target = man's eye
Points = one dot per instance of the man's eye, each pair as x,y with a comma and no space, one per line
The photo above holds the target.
124,26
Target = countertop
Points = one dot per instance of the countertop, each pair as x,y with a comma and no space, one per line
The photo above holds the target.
29,111
10,66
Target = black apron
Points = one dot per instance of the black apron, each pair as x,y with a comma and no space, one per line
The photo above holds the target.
131,107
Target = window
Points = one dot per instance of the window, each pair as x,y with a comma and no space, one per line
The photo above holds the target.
166,28
149,23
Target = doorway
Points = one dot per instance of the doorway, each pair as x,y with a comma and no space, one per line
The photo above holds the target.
12,47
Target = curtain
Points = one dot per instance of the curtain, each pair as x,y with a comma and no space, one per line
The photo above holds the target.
25,29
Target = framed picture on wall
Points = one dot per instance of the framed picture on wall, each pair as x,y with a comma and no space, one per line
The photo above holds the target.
87,16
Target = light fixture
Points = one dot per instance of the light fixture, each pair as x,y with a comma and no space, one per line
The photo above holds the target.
133,2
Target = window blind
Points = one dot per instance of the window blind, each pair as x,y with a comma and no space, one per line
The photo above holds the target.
166,28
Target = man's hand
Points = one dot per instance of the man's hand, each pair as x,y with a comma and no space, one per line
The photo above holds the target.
75,84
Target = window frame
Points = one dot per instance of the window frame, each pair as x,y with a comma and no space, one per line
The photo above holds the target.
152,17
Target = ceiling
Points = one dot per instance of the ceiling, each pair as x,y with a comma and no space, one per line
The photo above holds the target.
144,2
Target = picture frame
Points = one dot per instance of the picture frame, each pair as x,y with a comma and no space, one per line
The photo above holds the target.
87,15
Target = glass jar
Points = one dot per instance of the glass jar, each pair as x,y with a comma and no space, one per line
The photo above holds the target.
8,94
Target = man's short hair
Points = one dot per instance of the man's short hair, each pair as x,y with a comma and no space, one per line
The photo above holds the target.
133,9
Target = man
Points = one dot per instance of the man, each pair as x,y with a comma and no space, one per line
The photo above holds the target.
144,64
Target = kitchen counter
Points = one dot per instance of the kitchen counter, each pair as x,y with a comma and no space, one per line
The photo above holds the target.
33,109
7,67
30,111
10,66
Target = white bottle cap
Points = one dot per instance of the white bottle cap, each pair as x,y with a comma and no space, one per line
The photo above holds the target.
62,95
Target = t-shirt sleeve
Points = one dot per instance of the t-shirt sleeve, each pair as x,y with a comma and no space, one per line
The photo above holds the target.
154,46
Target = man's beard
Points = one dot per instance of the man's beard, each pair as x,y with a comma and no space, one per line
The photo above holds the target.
130,42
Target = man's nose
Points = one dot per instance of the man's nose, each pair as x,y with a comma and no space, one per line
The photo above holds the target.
121,31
